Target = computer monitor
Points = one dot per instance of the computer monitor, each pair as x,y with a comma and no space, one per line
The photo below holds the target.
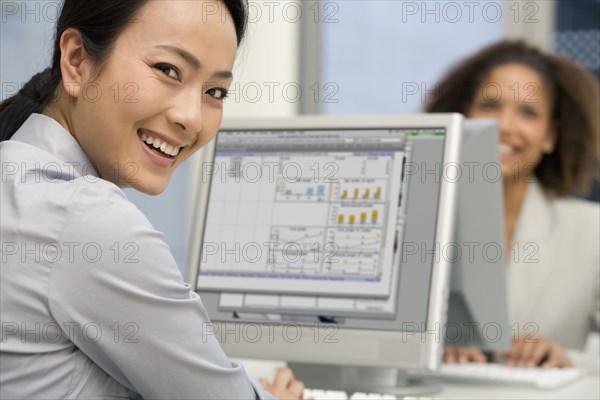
477,309
321,240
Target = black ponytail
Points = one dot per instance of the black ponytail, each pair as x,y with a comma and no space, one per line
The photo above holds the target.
32,98
99,22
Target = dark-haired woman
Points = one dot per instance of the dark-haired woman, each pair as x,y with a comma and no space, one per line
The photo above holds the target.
546,107
93,305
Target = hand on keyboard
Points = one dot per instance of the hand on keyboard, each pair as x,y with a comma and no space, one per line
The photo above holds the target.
284,386
463,354
526,352
537,351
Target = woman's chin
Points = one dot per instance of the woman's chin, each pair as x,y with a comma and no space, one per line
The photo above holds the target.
157,186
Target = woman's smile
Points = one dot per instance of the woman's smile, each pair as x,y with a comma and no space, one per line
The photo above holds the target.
160,149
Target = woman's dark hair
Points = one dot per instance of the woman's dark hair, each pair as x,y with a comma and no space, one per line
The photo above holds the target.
575,97
99,22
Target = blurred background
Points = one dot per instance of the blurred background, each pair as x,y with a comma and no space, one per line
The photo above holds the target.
329,57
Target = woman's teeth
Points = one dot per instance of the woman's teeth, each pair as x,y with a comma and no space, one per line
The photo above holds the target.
159,145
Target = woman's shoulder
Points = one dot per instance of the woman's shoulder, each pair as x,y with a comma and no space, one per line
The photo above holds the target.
567,208
578,218
105,205
579,209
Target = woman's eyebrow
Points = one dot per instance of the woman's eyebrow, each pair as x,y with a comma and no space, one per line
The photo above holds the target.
186,55
192,60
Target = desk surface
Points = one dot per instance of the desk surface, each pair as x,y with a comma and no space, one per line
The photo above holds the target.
587,387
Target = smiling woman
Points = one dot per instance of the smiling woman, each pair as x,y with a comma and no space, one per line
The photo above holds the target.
93,304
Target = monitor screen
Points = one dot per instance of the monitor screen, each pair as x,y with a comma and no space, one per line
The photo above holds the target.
311,212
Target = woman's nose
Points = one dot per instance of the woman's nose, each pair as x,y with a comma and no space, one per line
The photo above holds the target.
506,123
186,112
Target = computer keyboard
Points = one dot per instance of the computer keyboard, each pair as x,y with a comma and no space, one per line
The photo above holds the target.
317,394
502,374
482,373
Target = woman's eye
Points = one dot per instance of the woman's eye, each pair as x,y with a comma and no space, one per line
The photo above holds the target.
529,112
486,106
217,93
169,70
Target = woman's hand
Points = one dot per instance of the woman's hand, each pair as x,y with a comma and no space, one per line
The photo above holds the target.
284,386
461,355
536,351
528,352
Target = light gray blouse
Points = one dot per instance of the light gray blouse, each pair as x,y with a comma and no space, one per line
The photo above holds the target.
92,302
553,269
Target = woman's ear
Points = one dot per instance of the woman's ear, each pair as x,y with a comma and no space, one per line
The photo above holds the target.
72,66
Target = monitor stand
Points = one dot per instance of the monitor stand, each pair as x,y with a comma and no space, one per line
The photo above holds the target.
363,379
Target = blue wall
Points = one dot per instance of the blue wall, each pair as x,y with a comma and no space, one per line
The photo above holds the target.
379,52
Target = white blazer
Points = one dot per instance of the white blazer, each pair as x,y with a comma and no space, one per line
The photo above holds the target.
553,269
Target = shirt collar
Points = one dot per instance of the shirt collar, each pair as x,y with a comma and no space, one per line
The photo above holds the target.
47,134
